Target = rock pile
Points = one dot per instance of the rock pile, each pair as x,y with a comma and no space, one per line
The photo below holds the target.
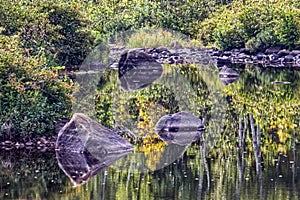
40,143
274,57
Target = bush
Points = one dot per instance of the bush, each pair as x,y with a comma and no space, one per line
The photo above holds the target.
254,25
32,96
111,17
57,29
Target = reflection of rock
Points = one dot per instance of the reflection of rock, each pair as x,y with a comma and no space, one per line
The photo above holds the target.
171,153
180,128
228,75
280,82
138,69
84,147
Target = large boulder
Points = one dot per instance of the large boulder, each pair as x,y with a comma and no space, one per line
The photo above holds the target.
138,69
84,147
181,128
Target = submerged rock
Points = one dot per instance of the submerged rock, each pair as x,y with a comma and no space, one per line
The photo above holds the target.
228,75
84,147
181,128
138,69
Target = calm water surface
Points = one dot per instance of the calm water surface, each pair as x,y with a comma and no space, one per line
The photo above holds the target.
249,149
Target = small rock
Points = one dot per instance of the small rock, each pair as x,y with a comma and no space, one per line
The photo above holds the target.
43,140
273,58
295,52
260,56
272,50
289,58
283,53
28,143
223,59
216,53
8,142
227,53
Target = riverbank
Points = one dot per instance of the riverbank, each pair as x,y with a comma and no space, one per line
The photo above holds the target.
38,143
271,57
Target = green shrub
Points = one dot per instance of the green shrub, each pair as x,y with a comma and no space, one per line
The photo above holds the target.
255,25
111,17
57,29
32,97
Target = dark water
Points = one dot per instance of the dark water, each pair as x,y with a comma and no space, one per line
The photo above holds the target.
249,149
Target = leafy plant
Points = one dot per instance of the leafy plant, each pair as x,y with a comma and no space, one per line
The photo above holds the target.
32,97
255,25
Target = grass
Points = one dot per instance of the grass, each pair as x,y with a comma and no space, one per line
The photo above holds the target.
152,37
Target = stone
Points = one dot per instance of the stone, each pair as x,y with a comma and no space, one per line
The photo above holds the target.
283,53
260,56
181,128
43,140
227,53
297,62
272,50
223,59
228,75
272,57
288,58
216,53
8,142
138,69
295,52
84,147
28,143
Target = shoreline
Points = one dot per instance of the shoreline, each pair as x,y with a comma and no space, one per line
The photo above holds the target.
42,143
271,57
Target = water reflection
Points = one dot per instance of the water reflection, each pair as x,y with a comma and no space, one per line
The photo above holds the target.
256,155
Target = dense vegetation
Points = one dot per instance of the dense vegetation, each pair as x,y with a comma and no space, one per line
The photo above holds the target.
254,25
38,39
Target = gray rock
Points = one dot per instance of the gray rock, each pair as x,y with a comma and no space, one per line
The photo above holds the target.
138,69
223,59
181,128
84,147
272,50
260,56
283,53
228,75
288,58
295,52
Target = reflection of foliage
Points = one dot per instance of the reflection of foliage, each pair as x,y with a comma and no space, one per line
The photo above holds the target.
28,175
181,88
153,148
274,107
